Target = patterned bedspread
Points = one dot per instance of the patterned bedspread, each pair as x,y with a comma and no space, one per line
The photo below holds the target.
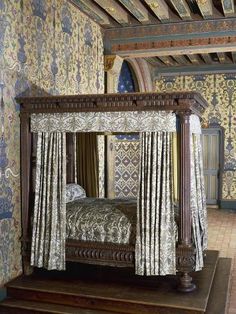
102,220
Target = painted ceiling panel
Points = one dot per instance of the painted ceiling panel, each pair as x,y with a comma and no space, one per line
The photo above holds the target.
125,35
160,8
137,9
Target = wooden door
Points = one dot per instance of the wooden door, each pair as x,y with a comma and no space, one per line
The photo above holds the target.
211,163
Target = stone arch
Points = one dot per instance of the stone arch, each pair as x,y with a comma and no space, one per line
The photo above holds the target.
140,67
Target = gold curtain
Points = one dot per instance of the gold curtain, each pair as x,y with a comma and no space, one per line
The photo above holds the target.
87,163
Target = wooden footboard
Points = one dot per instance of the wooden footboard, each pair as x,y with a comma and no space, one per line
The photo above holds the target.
118,255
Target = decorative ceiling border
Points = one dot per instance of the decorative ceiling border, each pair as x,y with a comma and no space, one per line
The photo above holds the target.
175,47
217,27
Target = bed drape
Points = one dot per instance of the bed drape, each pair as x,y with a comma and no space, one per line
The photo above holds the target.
49,221
87,163
155,236
198,200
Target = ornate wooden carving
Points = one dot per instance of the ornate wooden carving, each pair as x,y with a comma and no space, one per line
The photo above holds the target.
100,253
115,102
119,255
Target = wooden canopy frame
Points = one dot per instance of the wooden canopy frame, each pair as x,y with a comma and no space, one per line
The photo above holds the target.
183,104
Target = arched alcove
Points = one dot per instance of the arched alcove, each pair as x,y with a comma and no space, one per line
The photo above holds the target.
127,82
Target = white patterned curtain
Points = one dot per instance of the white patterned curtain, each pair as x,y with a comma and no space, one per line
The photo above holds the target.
49,222
155,239
198,200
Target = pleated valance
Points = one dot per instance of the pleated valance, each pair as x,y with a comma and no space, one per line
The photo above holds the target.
124,121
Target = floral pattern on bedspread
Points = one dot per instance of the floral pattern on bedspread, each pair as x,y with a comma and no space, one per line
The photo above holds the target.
102,220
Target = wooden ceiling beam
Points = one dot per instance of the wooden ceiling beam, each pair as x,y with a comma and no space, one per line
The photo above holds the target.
160,9
180,38
207,58
137,9
228,7
181,60
223,58
206,8
90,9
167,60
175,47
233,57
115,10
154,62
194,59
217,27
182,8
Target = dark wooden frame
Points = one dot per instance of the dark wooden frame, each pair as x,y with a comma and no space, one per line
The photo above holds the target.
183,104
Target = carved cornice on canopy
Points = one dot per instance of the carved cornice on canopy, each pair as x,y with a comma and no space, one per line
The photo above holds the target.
115,102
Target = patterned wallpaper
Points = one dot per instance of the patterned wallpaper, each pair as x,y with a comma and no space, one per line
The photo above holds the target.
126,167
126,147
220,92
45,46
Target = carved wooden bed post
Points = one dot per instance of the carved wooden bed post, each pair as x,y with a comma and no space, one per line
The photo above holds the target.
25,189
186,258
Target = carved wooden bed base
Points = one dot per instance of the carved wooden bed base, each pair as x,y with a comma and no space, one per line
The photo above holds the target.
183,104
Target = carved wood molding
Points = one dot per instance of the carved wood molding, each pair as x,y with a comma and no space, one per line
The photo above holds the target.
115,102
99,253
117,255
185,258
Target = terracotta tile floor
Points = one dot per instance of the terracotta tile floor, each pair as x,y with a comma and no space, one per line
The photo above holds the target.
222,237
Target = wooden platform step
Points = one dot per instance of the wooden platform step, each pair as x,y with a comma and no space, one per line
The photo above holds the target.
15,306
218,299
106,294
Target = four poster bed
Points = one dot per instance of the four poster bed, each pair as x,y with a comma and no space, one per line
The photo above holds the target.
137,233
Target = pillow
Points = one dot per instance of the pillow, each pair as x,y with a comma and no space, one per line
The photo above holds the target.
73,192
